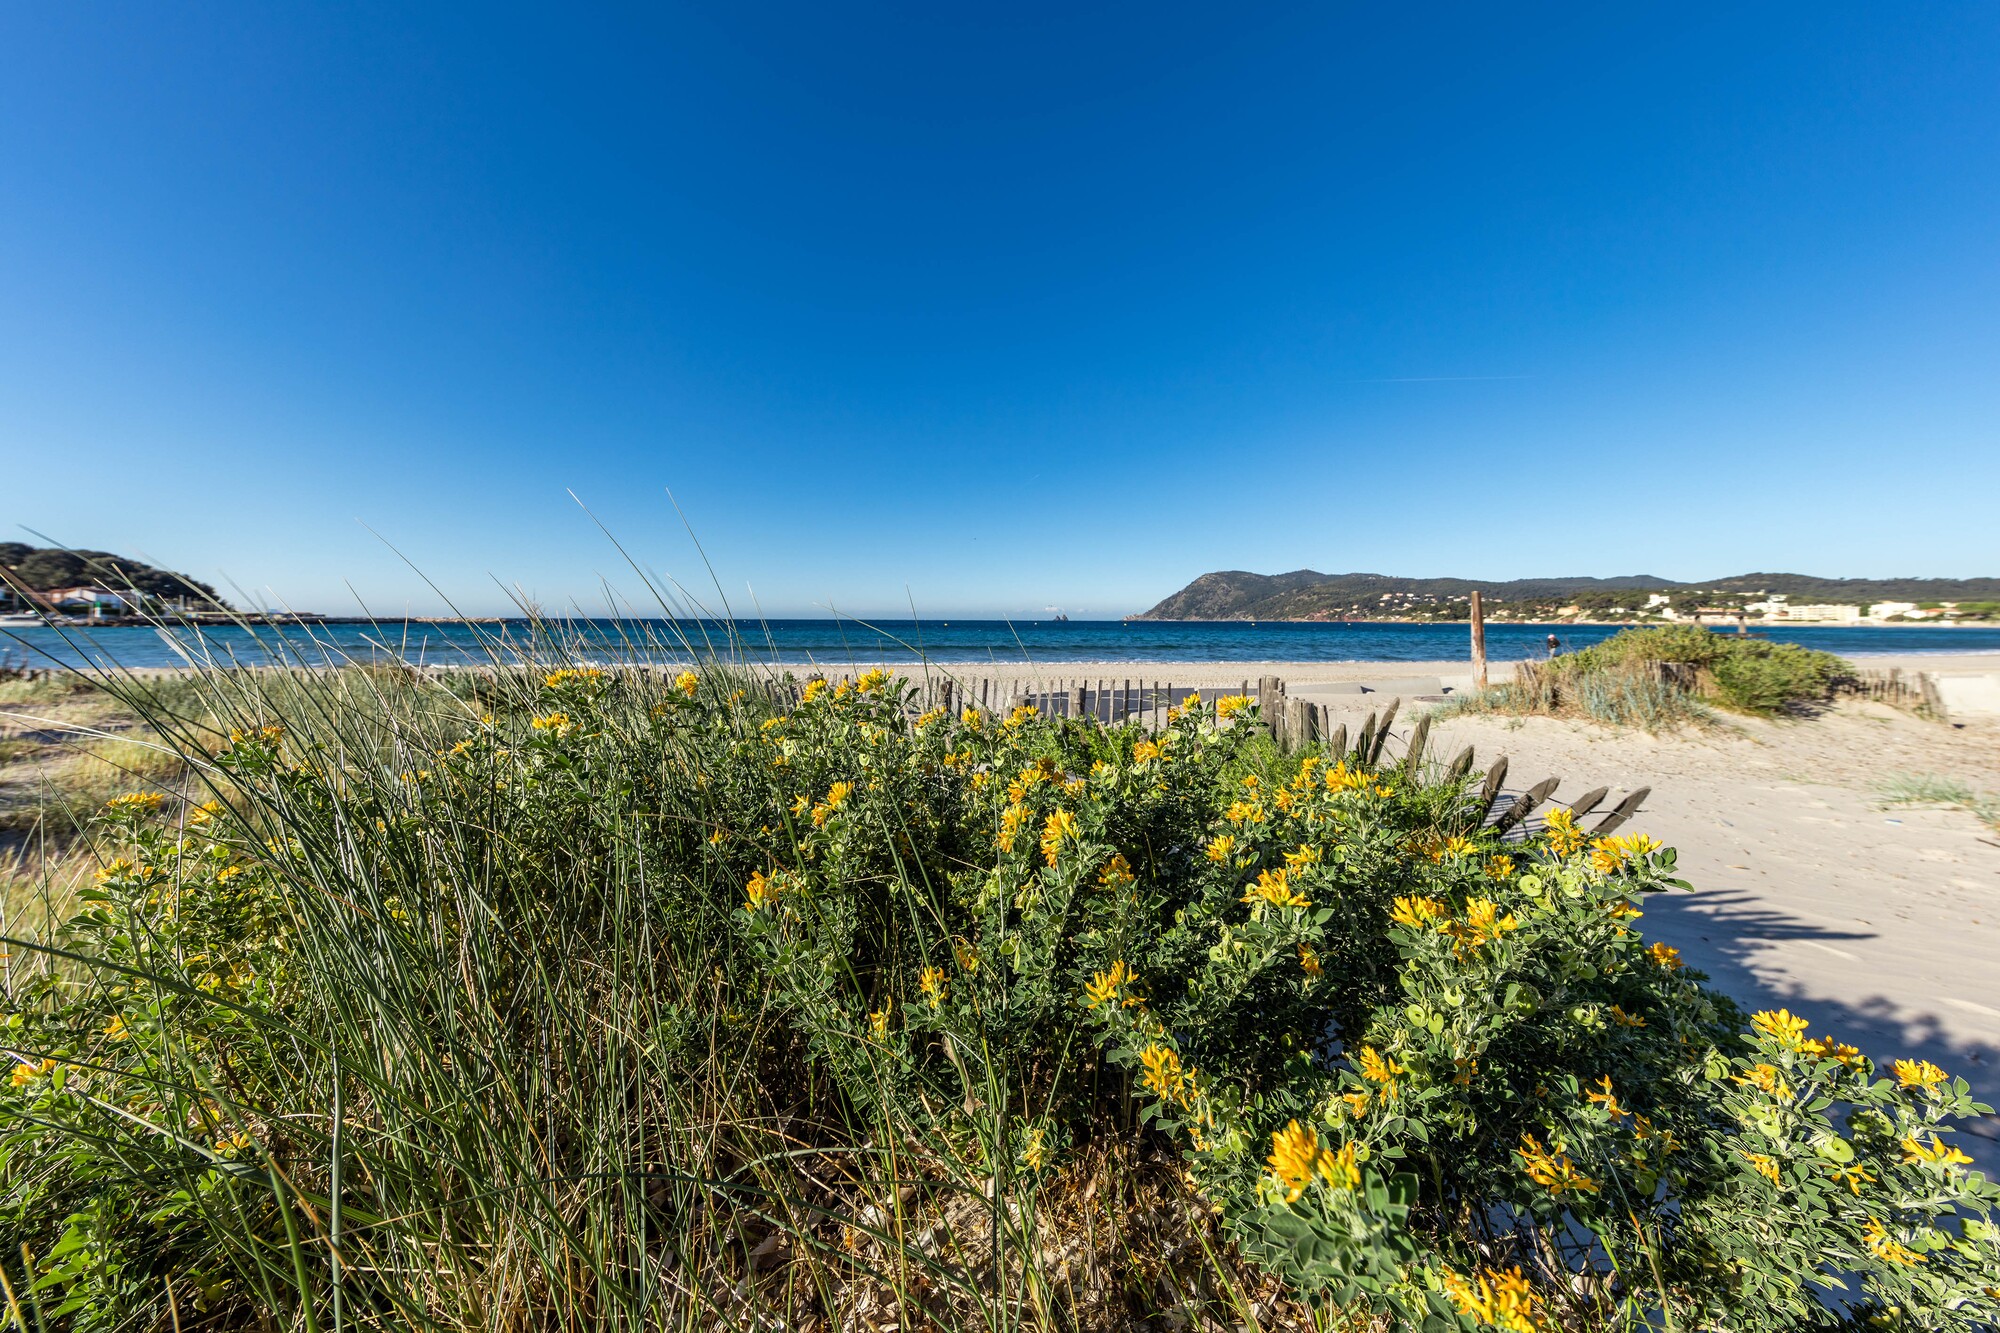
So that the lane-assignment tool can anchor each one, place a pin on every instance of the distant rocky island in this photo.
(1306, 594)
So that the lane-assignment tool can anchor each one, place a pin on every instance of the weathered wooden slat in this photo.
(1621, 812)
(1525, 804)
(1459, 766)
(1587, 802)
(1413, 753)
(1382, 732)
(1490, 791)
(1365, 742)
(1338, 745)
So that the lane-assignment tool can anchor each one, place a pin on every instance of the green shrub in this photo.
(571, 1000)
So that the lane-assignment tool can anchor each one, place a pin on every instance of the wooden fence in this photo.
(1293, 722)
(1913, 690)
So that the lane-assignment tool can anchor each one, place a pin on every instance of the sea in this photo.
(834, 644)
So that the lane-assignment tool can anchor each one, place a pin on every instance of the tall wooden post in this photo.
(1478, 642)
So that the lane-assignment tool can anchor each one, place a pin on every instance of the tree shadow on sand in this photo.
(1722, 931)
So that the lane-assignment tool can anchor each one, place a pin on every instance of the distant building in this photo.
(1821, 613)
(1883, 610)
(96, 601)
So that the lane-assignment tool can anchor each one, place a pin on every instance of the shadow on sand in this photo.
(1720, 932)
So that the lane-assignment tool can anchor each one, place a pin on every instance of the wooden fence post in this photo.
(1478, 642)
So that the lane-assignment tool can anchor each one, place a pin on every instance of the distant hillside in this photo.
(45, 567)
(1306, 594)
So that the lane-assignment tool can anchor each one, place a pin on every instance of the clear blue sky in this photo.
(1012, 307)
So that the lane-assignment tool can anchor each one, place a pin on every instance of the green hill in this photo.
(42, 568)
(1306, 594)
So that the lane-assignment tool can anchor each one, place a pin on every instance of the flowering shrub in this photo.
(452, 970)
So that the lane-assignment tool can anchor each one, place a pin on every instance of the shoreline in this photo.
(1208, 672)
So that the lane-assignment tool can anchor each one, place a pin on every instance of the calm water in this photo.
(836, 643)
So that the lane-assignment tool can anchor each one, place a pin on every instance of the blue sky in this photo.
(995, 309)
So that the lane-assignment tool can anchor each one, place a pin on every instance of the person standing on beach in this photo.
(1555, 647)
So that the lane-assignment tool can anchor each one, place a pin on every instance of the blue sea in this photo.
(840, 643)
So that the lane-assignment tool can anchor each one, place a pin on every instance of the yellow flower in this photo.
(1117, 873)
(138, 802)
(1308, 960)
(1273, 889)
(1012, 820)
(1021, 716)
(1500, 1297)
(761, 892)
(1935, 1153)
(814, 688)
(1782, 1026)
(1665, 957)
(1919, 1074)
(1379, 1068)
(1145, 752)
(204, 813)
(1766, 1079)
(558, 723)
(1164, 1074)
(1103, 987)
(715, 839)
(1295, 1154)
(26, 1074)
(1854, 1177)
(116, 1029)
(1883, 1246)
(1304, 856)
(1499, 867)
(1341, 1169)
(1231, 705)
(1059, 828)
(931, 983)
(1606, 1098)
(1763, 1165)
(929, 716)
(1625, 1020)
(1553, 1171)
(878, 1019)
(1825, 1048)
(577, 675)
(1033, 1153)
(1221, 847)
(969, 718)
(967, 956)
(1483, 924)
(1245, 812)
(1416, 912)
(1357, 1103)
(687, 682)
(836, 796)
(1563, 834)
(1634, 844)
(871, 682)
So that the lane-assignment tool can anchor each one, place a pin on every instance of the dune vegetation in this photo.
(1664, 677)
(583, 998)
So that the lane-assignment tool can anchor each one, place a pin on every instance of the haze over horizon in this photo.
(996, 313)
